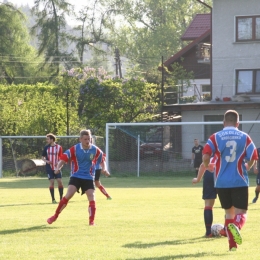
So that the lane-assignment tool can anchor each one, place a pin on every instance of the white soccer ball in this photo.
(215, 229)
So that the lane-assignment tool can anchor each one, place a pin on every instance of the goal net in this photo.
(163, 149)
(21, 155)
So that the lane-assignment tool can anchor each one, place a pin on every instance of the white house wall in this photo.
(190, 132)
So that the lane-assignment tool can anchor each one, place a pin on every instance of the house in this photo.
(235, 72)
(195, 57)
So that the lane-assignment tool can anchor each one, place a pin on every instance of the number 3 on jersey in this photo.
(232, 145)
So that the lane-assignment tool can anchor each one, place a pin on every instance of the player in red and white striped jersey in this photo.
(51, 155)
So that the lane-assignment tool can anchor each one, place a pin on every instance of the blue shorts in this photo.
(209, 191)
(52, 175)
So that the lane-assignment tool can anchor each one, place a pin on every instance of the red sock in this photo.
(63, 203)
(92, 211)
(103, 190)
(240, 220)
(231, 241)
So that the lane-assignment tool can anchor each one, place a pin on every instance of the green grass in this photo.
(148, 218)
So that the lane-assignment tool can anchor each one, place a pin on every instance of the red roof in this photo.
(179, 54)
(199, 25)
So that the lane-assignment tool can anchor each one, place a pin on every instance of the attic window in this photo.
(248, 28)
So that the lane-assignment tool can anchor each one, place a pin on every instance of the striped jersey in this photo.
(98, 166)
(232, 149)
(52, 153)
(83, 161)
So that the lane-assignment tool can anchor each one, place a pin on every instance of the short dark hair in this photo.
(51, 136)
(231, 116)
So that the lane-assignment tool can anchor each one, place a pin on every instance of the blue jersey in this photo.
(83, 161)
(231, 148)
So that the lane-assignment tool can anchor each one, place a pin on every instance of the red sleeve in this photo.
(207, 150)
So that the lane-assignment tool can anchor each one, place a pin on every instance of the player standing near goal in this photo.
(83, 157)
(196, 157)
(232, 147)
(209, 193)
(257, 172)
(51, 155)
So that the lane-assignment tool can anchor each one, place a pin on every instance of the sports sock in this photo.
(103, 190)
(92, 211)
(61, 192)
(231, 241)
(63, 203)
(240, 220)
(51, 188)
(208, 219)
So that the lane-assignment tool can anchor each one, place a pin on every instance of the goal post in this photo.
(21, 155)
(161, 148)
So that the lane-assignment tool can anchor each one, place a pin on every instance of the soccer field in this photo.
(148, 218)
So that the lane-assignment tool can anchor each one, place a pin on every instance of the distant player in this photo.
(51, 155)
(232, 147)
(196, 157)
(97, 178)
(209, 193)
(257, 172)
(83, 156)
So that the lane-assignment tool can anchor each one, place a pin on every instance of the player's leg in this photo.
(88, 188)
(225, 199)
(51, 185)
(257, 189)
(99, 185)
(74, 185)
(209, 194)
(60, 184)
(208, 215)
(240, 203)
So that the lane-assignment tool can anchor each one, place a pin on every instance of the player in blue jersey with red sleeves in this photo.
(51, 155)
(83, 157)
(232, 148)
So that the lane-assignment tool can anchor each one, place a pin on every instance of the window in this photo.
(205, 88)
(248, 28)
(211, 129)
(248, 81)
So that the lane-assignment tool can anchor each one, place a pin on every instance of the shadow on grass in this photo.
(31, 204)
(19, 230)
(183, 256)
(173, 242)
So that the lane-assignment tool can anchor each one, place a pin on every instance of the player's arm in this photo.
(206, 159)
(250, 164)
(201, 172)
(255, 169)
(104, 167)
(45, 160)
(59, 166)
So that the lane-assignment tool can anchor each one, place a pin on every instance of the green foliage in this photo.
(150, 29)
(116, 100)
(18, 59)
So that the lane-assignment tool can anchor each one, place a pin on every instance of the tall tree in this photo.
(50, 29)
(149, 29)
(18, 57)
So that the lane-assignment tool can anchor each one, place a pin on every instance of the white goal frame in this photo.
(114, 125)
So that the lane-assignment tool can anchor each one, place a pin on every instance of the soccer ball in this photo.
(215, 229)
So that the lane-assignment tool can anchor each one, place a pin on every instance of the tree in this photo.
(151, 29)
(50, 29)
(18, 57)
